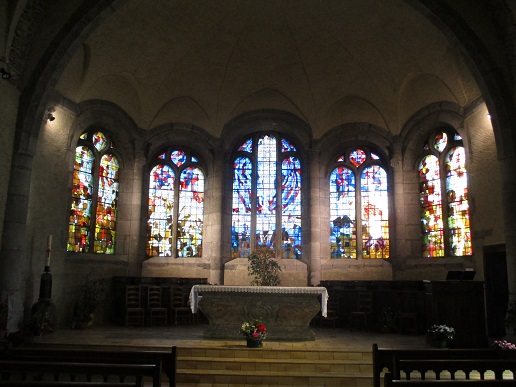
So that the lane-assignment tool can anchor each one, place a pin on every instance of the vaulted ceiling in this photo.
(329, 62)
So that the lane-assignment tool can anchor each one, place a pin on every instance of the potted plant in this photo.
(254, 332)
(90, 296)
(264, 269)
(440, 336)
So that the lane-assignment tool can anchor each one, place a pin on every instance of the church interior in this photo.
(364, 146)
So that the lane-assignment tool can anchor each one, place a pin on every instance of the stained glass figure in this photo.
(431, 205)
(359, 227)
(259, 205)
(445, 218)
(458, 206)
(375, 213)
(176, 206)
(91, 197)
(105, 225)
(190, 217)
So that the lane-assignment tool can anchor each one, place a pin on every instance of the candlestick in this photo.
(49, 250)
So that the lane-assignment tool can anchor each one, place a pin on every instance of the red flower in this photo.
(261, 327)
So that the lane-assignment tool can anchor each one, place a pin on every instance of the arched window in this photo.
(176, 206)
(266, 198)
(92, 223)
(444, 218)
(359, 213)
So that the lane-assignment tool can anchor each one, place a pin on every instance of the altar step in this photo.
(272, 367)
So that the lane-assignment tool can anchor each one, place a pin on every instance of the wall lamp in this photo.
(50, 117)
(5, 74)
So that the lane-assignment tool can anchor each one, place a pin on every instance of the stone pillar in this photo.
(315, 222)
(14, 262)
(215, 228)
(508, 173)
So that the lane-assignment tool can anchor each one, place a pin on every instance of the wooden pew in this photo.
(62, 383)
(389, 382)
(385, 358)
(162, 361)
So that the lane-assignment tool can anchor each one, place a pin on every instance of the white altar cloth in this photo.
(196, 289)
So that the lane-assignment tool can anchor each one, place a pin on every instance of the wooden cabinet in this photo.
(459, 304)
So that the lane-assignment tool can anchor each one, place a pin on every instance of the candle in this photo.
(49, 250)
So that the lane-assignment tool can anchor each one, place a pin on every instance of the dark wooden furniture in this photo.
(87, 365)
(156, 311)
(389, 382)
(134, 312)
(119, 284)
(395, 361)
(459, 304)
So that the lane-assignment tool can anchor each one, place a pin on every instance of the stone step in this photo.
(197, 377)
(239, 366)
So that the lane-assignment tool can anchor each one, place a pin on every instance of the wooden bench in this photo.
(62, 383)
(385, 359)
(389, 382)
(138, 363)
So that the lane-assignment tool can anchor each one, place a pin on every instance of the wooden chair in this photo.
(156, 313)
(179, 309)
(332, 312)
(360, 317)
(134, 312)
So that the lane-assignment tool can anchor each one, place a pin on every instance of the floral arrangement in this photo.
(503, 345)
(442, 332)
(255, 330)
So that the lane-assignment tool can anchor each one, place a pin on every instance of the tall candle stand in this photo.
(43, 311)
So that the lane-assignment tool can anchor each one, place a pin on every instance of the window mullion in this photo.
(175, 216)
(358, 212)
(444, 204)
(254, 192)
(94, 202)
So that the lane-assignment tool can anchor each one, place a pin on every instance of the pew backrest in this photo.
(385, 358)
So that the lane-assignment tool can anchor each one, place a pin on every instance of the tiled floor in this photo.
(192, 336)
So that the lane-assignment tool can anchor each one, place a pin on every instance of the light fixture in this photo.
(5, 74)
(50, 117)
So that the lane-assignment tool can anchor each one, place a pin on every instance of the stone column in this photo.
(508, 173)
(314, 202)
(215, 228)
(14, 261)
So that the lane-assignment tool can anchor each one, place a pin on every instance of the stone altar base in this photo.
(287, 316)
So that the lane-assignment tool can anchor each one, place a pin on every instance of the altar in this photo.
(286, 311)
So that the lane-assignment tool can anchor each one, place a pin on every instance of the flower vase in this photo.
(254, 343)
(437, 342)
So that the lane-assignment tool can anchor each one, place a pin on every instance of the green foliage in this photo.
(264, 269)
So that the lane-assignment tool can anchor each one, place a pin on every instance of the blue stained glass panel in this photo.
(247, 146)
(241, 207)
(291, 207)
(266, 193)
(286, 146)
(357, 157)
(190, 218)
(178, 157)
(342, 213)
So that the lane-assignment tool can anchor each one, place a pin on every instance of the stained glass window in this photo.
(444, 218)
(266, 198)
(95, 187)
(365, 204)
(176, 206)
